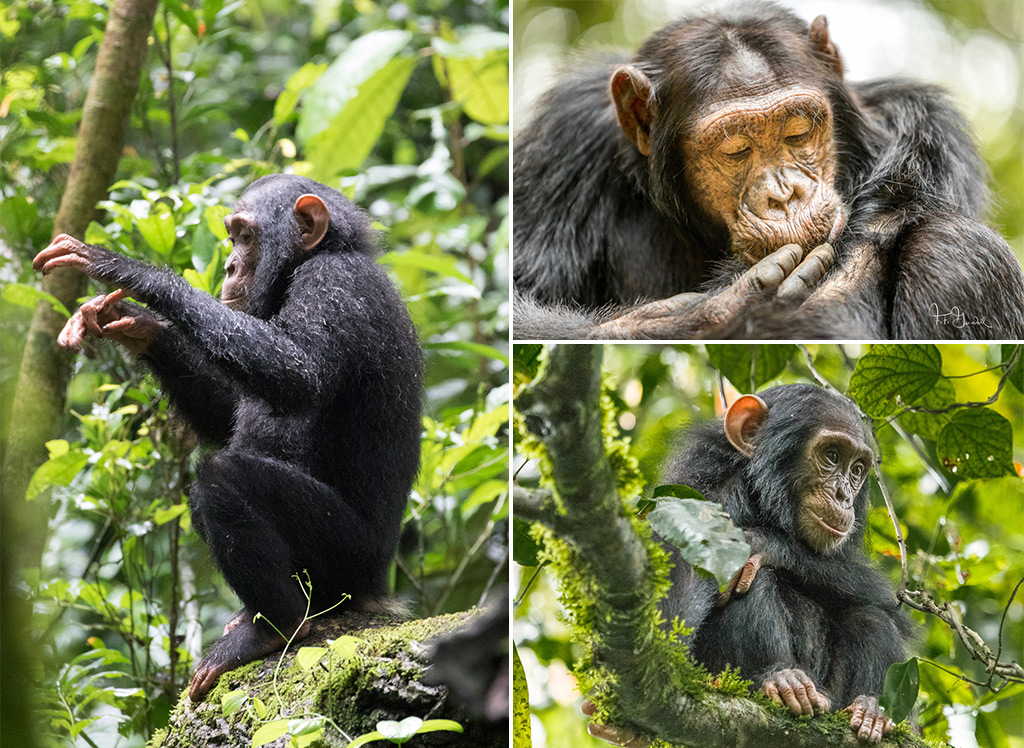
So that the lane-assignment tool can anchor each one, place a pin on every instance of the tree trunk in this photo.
(45, 369)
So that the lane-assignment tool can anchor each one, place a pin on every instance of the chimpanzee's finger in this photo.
(768, 273)
(61, 245)
(70, 337)
(804, 279)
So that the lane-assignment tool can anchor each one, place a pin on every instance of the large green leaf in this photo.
(976, 443)
(339, 85)
(890, 377)
(704, 534)
(750, 365)
(899, 693)
(344, 113)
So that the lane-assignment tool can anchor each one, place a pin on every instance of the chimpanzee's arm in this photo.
(786, 275)
(200, 392)
(283, 362)
(957, 302)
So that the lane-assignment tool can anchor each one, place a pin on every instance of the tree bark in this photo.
(563, 410)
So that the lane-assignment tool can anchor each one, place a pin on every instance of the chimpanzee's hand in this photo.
(787, 271)
(741, 580)
(108, 316)
(868, 720)
(795, 691)
(786, 275)
(614, 735)
(67, 252)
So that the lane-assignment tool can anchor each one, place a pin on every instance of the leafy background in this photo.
(973, 49)
(401, 105)
(964, 530)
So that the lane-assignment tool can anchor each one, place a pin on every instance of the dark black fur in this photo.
(833, 616)
(313, 401)
(598, 224)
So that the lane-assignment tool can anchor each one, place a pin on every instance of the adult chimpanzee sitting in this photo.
(734, 177)
(810, 621)
(307, 376)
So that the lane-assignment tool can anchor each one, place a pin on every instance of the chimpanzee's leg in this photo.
(265, 521)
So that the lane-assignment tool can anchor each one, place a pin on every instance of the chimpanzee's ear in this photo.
(742, 421)
(631, 92)
(313, 218)
(823, 47)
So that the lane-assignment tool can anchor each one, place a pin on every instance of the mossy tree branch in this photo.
(652, 688)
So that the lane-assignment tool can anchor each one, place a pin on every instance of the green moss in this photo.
(388, 651)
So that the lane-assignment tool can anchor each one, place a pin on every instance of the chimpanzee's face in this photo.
(241, 264)
(764, 166)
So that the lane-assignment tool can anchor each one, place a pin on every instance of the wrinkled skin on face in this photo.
(764, 166)
(240, 268)
(835, 465)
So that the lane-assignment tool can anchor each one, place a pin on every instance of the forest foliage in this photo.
(948, 420)
(404, 108)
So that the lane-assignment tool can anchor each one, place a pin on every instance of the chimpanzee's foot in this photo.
(245, 642)
(240, 617)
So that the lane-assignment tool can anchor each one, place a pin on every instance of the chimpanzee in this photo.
(809, 621)
(732, 176)
(307, 378)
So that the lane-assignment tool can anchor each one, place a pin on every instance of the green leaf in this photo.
(477, 77)
(929, 425)
(308, 657)
(269, 732)
(704, 534)
(369, 737)
(339, 84)
(520, 704)
(399, 732)
(989, 731)
(299, 727)
(345, 647)
(486, 351)
(679, 492)
(59, 471)
(163, 516)
(231, 702)
(184, 14)
(899, 693)
(749, 365)
(260, 708)
(437, 725)
(21, 294)
(976, 443)
(890, 377)
(440, 264)
(302, 79)
(215, 215)
(524, 548)
(159, 232)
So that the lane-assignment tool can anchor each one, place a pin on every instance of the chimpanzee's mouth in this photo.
(836, 532)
